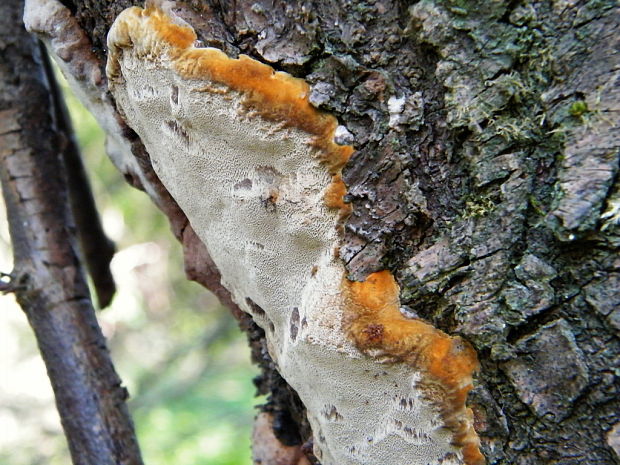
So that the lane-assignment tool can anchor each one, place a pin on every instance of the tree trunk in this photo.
(484, 179)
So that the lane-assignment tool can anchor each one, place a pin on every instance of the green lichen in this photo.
(578, 108)
(496, 81)
(479, 206)
(537, 206)
(459, 7)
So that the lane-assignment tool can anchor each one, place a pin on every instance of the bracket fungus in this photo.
(257, 172)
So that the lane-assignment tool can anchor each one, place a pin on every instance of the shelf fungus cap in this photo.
(255, 168)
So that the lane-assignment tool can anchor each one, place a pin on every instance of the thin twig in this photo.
(96, 247)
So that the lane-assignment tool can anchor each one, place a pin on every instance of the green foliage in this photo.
(205, 424)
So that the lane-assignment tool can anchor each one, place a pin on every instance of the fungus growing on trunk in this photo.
(257, 172)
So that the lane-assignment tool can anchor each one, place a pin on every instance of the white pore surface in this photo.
(254, 195)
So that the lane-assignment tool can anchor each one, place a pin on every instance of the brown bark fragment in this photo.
(268, 450)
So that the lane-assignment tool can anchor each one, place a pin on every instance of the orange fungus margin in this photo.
(375, 323)
(373, 319)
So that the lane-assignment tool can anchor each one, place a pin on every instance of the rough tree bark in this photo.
(485, 179)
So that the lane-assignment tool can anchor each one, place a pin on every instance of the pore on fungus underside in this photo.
(256, 170)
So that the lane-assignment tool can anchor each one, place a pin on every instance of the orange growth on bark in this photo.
(334, 194)
(372, 316)
(375, 323)
(274, 95)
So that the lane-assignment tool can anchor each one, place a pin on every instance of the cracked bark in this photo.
(485, 178)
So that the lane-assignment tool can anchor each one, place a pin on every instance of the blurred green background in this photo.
(181, 355)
